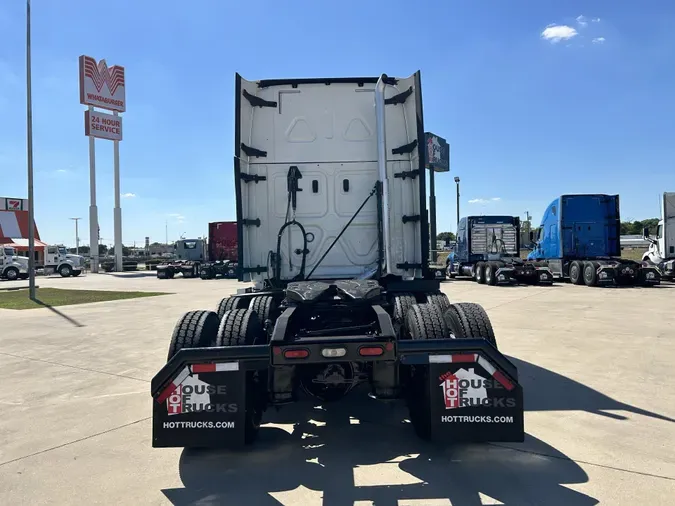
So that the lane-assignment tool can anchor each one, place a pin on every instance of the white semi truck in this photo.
(12, 266)
(58, 260)
(662, 247)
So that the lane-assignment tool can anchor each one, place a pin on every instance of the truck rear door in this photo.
(326, 129)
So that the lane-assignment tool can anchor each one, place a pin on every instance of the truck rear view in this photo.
(333, 232)
(579, 238)
(223, 251)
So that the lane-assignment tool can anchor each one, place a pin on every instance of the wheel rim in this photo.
(65, 270)
(12, 275)
(488, 273)
(574, 271)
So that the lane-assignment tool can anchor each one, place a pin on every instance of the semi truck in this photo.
(333, 243)
(222, 251)
(488, 251)
(58, 260)
(189, 255)
(12, 266)
(661, 251)
(579, 240)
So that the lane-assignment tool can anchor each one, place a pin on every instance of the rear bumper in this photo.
(470, 391)
(524, 274)
(628, 274)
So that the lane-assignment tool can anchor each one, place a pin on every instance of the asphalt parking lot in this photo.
(595, 365)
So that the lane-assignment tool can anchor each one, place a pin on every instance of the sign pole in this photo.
(93, 209)
(117, 210)
(29, 143)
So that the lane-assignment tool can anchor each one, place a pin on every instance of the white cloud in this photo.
(484, 201)
(599, 40)
(556, 33)
(582, 20)
(128, 195)
(179, 218)
(62, 171)
(595, 20)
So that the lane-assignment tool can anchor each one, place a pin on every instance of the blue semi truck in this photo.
(579, 240)
(488, 251)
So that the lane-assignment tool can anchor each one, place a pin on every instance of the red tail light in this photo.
(371, 351)
(296, 354)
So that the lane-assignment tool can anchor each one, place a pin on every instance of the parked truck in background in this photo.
(58, 260)
(223, 251)
(189, 255)
(579, 240)
(488, 250)
(333, 234)
(661, 251)
(12, 266)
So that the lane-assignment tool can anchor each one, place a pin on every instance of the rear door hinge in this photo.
(258, 153)
(257, 101)
(247, 178)
(415, 217)
(405, 149)
(412, 174)
(248, 223)
(255, 270)
(408, 267)
(400, 98)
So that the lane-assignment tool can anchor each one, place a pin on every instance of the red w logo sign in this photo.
(100, 85)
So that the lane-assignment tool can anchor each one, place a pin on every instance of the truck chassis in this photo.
(223, 269)
(188, 268)
(606, 272)
(265, 348)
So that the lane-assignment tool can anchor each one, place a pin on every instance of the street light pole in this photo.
(77, 236)
(29, 147)
(457, 182)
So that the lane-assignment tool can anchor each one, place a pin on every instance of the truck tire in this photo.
(161, 275)
(590, 273)
(425, 321)
(12, 273)
(400, 304)
(479, 273)
(265, 306)
(241, 327)
(76, 273)
(467, 320)
(229, 303)
(65, 271)
(489, 274)
(195, 329)
(439, 299)
(576, 273)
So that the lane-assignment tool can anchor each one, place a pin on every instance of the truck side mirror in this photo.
(645, 232)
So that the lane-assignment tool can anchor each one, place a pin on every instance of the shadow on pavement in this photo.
(149, 274)
(331, 460)
(70, 320)
(545, 390)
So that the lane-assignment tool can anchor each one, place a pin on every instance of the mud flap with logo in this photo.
(203, 405)
(472, 400)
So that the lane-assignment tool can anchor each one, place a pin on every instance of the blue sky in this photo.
(533, 100)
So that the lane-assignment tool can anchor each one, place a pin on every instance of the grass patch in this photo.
(50, 297)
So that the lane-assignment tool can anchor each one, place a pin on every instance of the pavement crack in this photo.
(558, 457)
(73, 367)
(75, 441)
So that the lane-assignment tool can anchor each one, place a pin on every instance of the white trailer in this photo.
(662, 247)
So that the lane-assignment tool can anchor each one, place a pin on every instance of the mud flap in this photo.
(471, 400)
(202, 405)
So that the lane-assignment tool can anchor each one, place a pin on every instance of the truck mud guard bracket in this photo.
(465, 390)
(257, 101)
(412, 218)
(247, 178)
(405, 149)
(251, 222)
(412, 174)
(408, 266)
(400, 98)
(253, 151)
(254, 270)
(200, 396)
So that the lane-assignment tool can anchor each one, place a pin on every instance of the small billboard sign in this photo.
(438, 153)
(103, 125)
(102, 86)
(11, 204)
